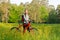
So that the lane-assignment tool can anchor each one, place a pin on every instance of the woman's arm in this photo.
(22, 18)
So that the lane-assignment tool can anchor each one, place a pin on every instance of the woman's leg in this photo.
(28, 29)
(24, 28)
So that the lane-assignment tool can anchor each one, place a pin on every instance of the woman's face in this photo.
(26, 11)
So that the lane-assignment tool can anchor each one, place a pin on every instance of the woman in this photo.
(26, 21)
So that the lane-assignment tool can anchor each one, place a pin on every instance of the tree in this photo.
(44, 14)
(52, 14)
(36, 10)
(0, 14)
(58, 13)
(15, 13)
(4, 9)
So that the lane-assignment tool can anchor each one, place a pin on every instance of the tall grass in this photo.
(45, 32)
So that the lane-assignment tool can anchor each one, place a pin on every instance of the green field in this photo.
(45, 32)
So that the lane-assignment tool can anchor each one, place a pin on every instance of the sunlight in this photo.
(19, 1)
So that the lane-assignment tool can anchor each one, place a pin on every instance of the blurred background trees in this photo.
(39, 11)
(4, 5)
(58, 13)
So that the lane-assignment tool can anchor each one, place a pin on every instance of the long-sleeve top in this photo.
(25, 18)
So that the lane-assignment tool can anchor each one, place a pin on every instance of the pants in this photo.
(26, 27)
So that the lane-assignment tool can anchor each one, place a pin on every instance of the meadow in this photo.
(45, 32)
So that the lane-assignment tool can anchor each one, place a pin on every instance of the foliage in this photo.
(39, 12)
(52, 16)
(44, 13)
(58, 13)
(15, 13)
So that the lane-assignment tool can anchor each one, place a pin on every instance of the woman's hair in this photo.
(25, 9)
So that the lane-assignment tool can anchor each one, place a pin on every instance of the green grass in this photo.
(45, 32)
